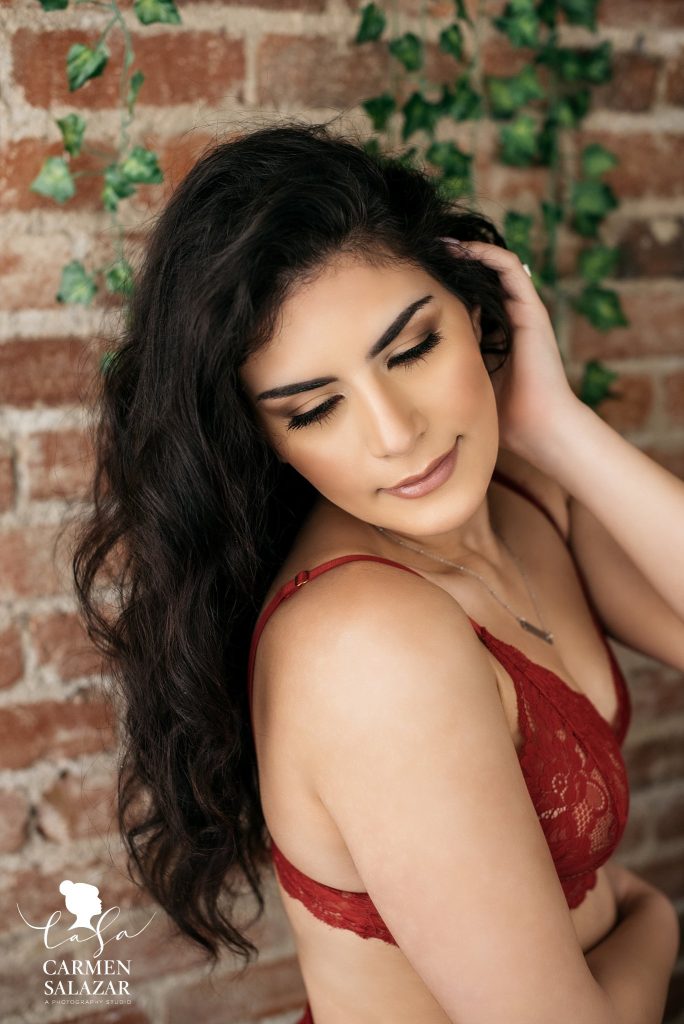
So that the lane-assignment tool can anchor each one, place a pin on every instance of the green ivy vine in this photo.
(126, 167)
(531, 118)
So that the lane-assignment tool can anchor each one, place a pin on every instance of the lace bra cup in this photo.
(570, 758)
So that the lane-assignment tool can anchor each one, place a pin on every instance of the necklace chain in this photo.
(543, 633)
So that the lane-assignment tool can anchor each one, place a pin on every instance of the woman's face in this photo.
(357, 419)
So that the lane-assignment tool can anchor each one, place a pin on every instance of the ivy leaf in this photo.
(452, 186)
(54, 180)
(598, 64)
(149, 11)
(119, 277)
(592, 198)
(601, 306)
(547, 141)
(461, 103)
(84, 64)
(451, 160)
(517, 228)
(596, 160)
(451, 40)
(117, 185)
(547, 12)
(598, 262)
(76, 285)
(552, 214)
(372, 25)
(519, 144)
(137, 79)
(519, 22)
(408, 49)
(379, 109)
(72, 128)
(580, 12)
(569, 110)
(461, 12)
(53, 5)
(419, 115)
(579, 65)
(508, 93)
(595, 384)
(141, 167)
(371, 146)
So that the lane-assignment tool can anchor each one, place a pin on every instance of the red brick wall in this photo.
(57, 747)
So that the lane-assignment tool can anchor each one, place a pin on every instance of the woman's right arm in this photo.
(633, 964)
(405, 741)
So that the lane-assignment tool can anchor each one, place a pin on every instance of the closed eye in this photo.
(406, 359)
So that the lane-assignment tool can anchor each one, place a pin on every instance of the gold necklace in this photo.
(543, 633)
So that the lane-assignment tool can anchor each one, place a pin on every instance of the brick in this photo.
(318, 71)
(655, 760)
(180, 67)
(47, 371)
(78, 806)
(114, 1015)
(58, 465)
(28, 566)
(33, 280)
(36, 889)
(20, 162)
(50, 729)
(61, 643)
(633, 84)
(434, 8)
(653, 248)
(667, 873)
(655, 314)
(634, 406)
(11, 656)
(657, 691)
(7, 483)
(14, 813)
(266, 989)
(649, 164)
(674, 396)
(668, 816)
(667, 14)
(674, 79)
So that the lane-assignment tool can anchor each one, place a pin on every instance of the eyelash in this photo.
(407, 359)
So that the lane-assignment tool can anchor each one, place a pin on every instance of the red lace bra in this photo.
(570, 757)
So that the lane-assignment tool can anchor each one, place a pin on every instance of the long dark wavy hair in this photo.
(190, 513)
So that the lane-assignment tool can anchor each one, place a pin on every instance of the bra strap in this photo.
(292, 585)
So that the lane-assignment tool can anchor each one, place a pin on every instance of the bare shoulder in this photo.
(552, 494)
(417, 767)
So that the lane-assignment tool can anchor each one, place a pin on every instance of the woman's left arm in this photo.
(638, 502)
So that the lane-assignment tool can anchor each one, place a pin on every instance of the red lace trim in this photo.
(570, 759)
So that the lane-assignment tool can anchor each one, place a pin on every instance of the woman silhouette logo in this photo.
(82, 900)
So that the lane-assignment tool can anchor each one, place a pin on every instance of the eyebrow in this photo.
(388, 336)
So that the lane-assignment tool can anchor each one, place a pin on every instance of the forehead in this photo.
(340, 313)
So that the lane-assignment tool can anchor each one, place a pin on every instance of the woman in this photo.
(402, 694)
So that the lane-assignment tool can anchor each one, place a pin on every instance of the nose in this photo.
(391, 422)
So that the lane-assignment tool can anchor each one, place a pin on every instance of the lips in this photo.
(420, 476)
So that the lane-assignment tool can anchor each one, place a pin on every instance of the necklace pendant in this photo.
(541, 633)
